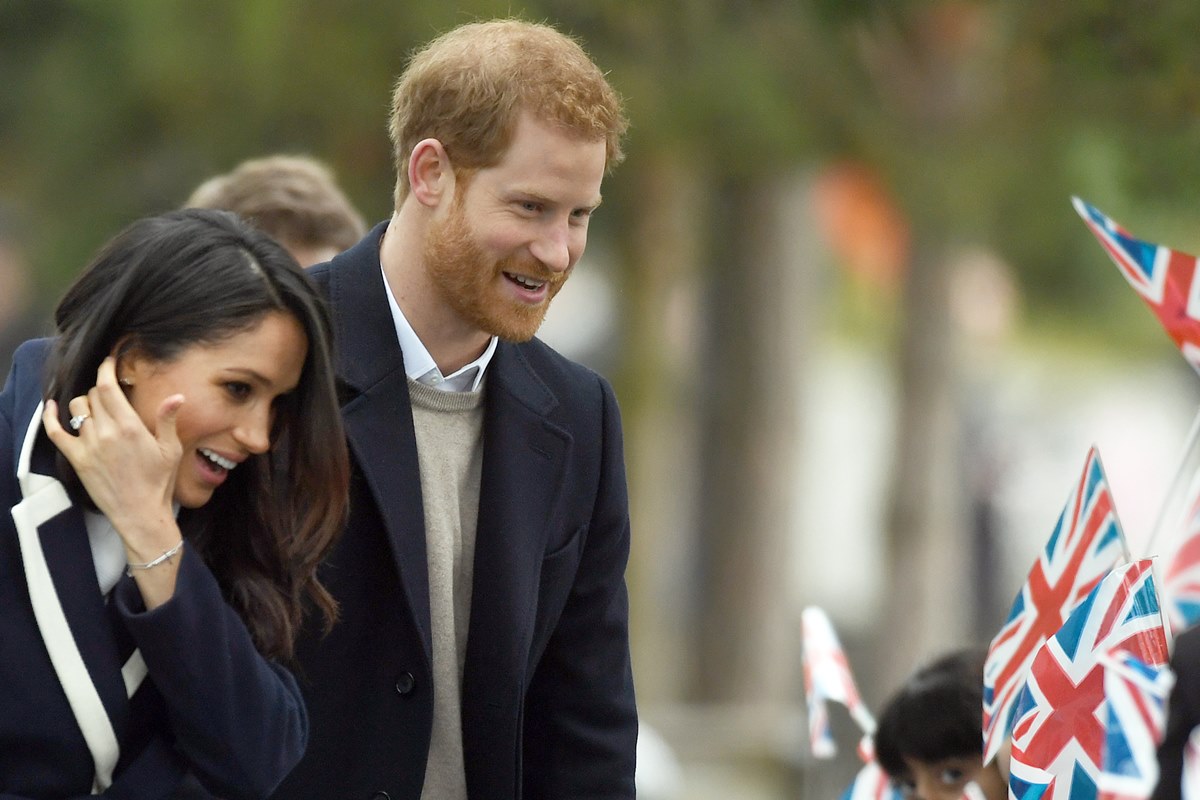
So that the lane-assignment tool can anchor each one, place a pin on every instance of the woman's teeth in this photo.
(223, 463)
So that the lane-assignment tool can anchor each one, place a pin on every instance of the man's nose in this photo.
(553, 247)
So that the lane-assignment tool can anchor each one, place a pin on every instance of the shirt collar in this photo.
(419, 364)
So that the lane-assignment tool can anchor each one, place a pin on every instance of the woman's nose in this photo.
(254, 433)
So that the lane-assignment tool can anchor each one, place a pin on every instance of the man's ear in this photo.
(430, 174)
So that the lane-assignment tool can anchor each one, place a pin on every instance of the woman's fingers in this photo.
(54, 429)
(79, 406)
(168, 412)
(127, 469)
(106, 396)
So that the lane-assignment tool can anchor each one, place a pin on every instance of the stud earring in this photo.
(125, 382)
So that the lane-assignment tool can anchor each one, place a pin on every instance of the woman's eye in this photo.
(238, 390)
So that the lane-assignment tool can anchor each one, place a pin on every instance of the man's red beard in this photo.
(470, 282)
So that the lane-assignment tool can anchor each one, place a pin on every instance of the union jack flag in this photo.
(1136, 715)
(1059, 731)
(1163, 277)
(872, 783)
(827, 677)
(1086, 543)
(1181, 582)
(972, 792)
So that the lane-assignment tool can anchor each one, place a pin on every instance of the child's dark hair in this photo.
(937, 713)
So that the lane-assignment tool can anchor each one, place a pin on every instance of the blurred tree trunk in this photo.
(661, 243)
(759, 314)
(926, 609)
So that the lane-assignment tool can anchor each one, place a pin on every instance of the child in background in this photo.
(930, 734)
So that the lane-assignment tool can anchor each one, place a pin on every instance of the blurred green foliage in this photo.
(982, 117)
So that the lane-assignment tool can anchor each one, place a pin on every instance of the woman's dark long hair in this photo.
(937, 714)
(198, 277)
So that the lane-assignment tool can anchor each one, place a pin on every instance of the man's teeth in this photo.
(528, 283)
(223, 463)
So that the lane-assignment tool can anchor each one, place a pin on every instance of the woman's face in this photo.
(230, 390)
(947, 779)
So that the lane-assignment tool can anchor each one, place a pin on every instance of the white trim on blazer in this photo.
(43, 498)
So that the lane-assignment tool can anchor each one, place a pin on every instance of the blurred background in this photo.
(861, 340)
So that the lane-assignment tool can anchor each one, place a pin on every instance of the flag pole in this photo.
(1168, 512)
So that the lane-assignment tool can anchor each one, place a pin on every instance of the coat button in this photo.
(381, 796)
(405, 683)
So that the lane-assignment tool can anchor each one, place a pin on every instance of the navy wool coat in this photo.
(547, 695)
(100, 695)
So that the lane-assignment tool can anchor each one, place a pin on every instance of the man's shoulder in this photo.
(581, 396)
(363, 255)
(555, 368)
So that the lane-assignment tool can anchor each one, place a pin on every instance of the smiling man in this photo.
(483, 644)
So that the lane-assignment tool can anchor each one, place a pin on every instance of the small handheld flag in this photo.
(1136, 717)
(1086, 543)
(827, 677)
(1181, 579)
(1059, 726)
(1165, 278)
(872, 783)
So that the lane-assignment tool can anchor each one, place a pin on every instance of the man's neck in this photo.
(451, 342)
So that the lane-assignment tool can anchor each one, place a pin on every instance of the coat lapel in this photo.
(523, 458)
(378, 417)
(68, 606)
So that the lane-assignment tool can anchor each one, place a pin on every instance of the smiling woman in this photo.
(169, 511)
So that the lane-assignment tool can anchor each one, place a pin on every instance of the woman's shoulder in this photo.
(23, 387)
(33, 350)
(27, 362)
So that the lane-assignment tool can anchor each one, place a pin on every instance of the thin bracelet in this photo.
(166, 556)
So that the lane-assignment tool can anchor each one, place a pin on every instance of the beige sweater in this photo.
(449, 427)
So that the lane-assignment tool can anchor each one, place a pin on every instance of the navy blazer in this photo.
(107, 697)
(547, 697)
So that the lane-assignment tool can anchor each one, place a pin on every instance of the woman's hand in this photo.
(128, 471)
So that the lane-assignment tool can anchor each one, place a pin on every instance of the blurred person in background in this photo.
(177, 471)
(21, 315)
(1183, 715)
(295, 199)
(930, 734)
(483, 645)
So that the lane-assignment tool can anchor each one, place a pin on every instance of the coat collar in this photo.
(62, 588)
